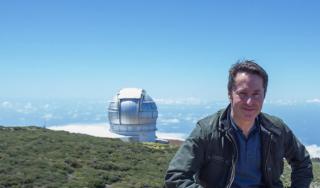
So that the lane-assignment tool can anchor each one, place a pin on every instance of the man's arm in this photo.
(187, 162)
(299, 160)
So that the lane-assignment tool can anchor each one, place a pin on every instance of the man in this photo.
(240, 146)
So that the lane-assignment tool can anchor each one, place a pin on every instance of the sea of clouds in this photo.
(102, 130)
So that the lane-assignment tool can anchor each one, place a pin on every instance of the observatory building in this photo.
(133, 113)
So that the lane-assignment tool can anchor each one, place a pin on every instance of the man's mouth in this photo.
(249, 109)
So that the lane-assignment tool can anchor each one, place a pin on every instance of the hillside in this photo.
(37, 157)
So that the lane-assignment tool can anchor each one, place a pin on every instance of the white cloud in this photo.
(6, 104)
(181, 101)
(313, 100)
(174, 136)
(99, 129)
(292, 101)
(167, 121)
(46, 106)
(27, 108)
(313, 150)
(102, 130)
(281, 102)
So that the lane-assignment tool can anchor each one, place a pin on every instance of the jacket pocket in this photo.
(214, 173)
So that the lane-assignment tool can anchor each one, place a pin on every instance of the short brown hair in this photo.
(247, 66)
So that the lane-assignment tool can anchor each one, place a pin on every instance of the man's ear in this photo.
(229, 96)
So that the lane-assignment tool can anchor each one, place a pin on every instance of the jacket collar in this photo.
(224, 119)
(266, 124)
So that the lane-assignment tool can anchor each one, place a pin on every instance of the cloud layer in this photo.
(313, 150)
(102, 130)
(99, 129)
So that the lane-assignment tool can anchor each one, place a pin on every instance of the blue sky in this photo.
(174, 49)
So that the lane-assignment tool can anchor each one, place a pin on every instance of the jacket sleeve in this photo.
(299, 160)
(187, 162)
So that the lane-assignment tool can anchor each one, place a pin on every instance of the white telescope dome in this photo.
(133, 113)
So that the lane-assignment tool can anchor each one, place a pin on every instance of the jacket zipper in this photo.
(267, 157)
(234, 160)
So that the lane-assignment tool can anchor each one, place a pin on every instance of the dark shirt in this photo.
(248, 167)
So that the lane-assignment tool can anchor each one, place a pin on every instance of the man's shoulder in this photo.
(272, 119)
(210, 121)
(273, 122)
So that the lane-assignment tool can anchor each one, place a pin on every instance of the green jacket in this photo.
(209, 155)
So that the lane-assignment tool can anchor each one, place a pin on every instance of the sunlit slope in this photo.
(37, 157)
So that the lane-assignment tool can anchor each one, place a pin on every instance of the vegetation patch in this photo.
(38, 157)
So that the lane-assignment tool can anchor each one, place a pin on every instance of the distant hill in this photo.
(38, 157)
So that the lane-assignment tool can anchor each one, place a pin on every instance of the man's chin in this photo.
(250, 117)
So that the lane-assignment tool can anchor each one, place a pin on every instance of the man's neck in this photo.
(244, 126)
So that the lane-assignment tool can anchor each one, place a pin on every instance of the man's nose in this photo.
(249, 100)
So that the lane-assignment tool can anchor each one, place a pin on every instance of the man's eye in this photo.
(242, 94)
(257, 96)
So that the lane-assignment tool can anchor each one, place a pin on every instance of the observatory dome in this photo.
(133, 113)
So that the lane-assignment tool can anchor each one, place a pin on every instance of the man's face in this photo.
(246, 98)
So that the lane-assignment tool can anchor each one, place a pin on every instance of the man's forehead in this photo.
(247, 77)
(242, 73)
(248, 81)
(248, 88)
